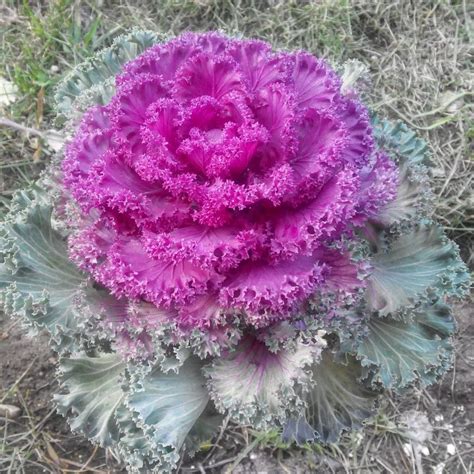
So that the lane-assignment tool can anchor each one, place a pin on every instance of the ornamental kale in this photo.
(227, 232)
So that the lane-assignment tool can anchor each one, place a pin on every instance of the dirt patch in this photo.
(39, 440)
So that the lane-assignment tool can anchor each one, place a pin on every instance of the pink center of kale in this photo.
(217, 177)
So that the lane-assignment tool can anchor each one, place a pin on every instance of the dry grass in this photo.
(419, 54)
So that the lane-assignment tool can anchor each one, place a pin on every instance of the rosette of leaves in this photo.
(227, 232)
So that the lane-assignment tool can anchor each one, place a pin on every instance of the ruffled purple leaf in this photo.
(215, 176)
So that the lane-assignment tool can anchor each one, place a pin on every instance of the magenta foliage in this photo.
(219, 176)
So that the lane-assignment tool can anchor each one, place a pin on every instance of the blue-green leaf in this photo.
(398, 352)
(401, 142)
(256, 385)
(336, 401)
(93, 395)
(142, 453)
(37, 280)
(414, 196)
(419, 263)
(92, 82)
(298, 430)
(134, 447)
(413, 201)
(167, 407)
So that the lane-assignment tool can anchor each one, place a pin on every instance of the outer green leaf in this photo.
(336, 401)
(37, 280)
(94, 395)
(400, 141)
(92, 82)
(168, 406)
(414, 196)
(413, 200)
(258, 386)
(298, 430)
(400, 352)
(134, 447)
(421, 262)
(142, 453)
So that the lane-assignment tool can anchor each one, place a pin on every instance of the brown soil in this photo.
(28, 380)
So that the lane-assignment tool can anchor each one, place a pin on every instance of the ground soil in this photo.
(28, 380)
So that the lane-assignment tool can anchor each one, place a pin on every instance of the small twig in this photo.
(280, 463)
(76, 464)
(245, 452)
(420, 127)
(459, 456)
(219, 437)
(91, 457)
(210, 466)
(4, 122)
(443, 107)
(384, 466)
(201, 469)
(53, 138)
(22, 376)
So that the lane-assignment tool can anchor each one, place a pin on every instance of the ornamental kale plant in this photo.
(228, 232)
